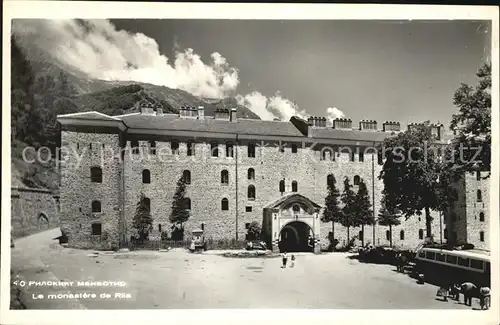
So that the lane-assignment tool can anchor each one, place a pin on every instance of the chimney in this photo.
(201, 112)
(233, 115)
(222, 114)
(437, 131)
(390, 126)
(182, 111)
(147, 108)
(144, 107)
(159, 109)
(413, 126)
(368, 125)
(316, 121)
(342, 123)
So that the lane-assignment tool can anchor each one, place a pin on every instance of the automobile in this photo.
(198, 241)
(256, 245)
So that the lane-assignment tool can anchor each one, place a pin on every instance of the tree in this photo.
(388, 216)
(254, 231)
(179, 213)
(142, 221)
(332, 212)
(472, 124)
(348, 198)
(410, 173)
(363, 209)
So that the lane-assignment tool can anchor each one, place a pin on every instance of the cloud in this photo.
(333, 113)
(98, 49)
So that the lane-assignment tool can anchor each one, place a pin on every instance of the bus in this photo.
(454, 266)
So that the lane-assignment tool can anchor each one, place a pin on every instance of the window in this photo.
(251, 173)
(90, 146)
(282, 186)
(96, 229)
(229, 150)
(451, 259)
(478, 175)
(225, 204)
(294, 186)
(294, 148)
(387, 235)
(214, 149)
(481, 216)
(282, 147)
(247, 225)
(251, 150)
(146, 176)
(159, 228)
(421, 254)
(186, 176)
(224, 177)
(420, 234)
(361, 156)
(352, 156)
(296, 208)
(202, 226)
(440, 257)
(463, 261)
(147, 203)
(187, 203)
(190, 148)
(134, 144)
(481, 235)
(476, 264)
(380, 159)
(96, 174)
(356, 180)
(479, 196)
(77, 146)
(96, 206)
(402, 235)
(329, 180)
(248, 209)
(174, 146)
(360, 234)
(152, 147)
(251, 192)
(430, 255)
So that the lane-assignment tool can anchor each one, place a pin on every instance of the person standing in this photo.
(468, 290)
(284, 258)
(293, 261)
(484, 297)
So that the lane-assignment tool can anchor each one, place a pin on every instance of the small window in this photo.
(481, 235)
(187, 203)
(96, 229)
(282, 186)
(296, 208)
(96, 174)
(476, 264)
(224, 177)
(440, 257)
(481, 216)
(77, 146)
(329, 180)
(361, 156)
(451, 259)
(251, 174)
(134, 144)
(352, 156)
(387, 235)
(479, 196)
(147, 203)
(186, 176)
(251, 150)
(146, 176)
(225, 204)
(294, 148)
(190, 148)
(248, 209)
(159, 228)
(203, 226)
(356, 180)
(152, 147)
(430, 255)
(251, 192)
(360, 234)
(229, 150)
(421, 254)
(478, 175)
(420, 234)
(174, 146)
(402, 235)
(214, 149)
(295, 186)
(90, 146)
(96, 206)
(463, 261)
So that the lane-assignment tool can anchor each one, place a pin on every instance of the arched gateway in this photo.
(292, 223)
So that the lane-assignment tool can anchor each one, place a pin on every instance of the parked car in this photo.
(256, 245)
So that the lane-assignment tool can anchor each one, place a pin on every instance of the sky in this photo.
(404, 71)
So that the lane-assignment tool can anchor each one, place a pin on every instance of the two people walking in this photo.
(284, 259)
(469, 290)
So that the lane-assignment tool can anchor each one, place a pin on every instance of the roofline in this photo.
(464, 253)
(88, 112)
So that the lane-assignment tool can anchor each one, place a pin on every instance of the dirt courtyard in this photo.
(177, 279)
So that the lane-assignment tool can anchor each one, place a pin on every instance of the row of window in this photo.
(451, 259)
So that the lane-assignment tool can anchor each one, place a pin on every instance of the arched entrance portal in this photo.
(43, 222)
(296, 237)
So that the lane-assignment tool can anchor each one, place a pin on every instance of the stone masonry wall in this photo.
(475, 207)
(33, 210)
(78, 192)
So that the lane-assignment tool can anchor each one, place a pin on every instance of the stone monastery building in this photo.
(237, 171)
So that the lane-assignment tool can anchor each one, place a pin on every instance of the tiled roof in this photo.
(209, 124)
(288, 197)
(331, 133)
